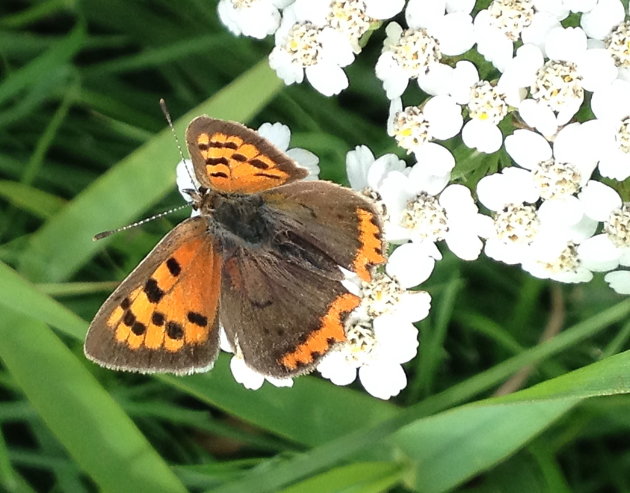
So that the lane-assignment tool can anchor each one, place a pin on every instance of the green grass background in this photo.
(520, 384)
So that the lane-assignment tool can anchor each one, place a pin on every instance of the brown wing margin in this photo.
(164, 315)
(230, 157)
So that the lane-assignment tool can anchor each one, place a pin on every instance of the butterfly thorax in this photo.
(236, 218)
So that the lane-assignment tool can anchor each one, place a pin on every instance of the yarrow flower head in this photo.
(416, 53)
(506, 22)
(618, 45)
(414, 126)
(487, 105)
(545, 208)
(422, 211)
(352, 18)
(255, 18)
(611, 247)
(304, 46)
(557, 90)
(611, 106)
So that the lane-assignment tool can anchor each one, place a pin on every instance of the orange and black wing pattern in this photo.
(229, 157)
(164, 316)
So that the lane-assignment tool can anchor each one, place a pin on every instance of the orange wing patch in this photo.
(235, 166)
(330, 332)
(370, 252)
(176, 306)
(232, 158)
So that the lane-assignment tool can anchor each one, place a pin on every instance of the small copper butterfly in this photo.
(260, 260)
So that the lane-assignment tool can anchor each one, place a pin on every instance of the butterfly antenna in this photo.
(105, 234)
(167, 115)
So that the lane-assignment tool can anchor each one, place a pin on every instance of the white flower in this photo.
(599, 22)
(520, 226)
(511, 195)
(617, 43)
(619, 280)
(505, 22)
(551, 258)
(408, 54)
(380, 337)
(449, 23)
(415, 53)
(414, 126)
(424, 215)
(303, 46)
(487, 106)
(255, 18)
(375, 351)
(611, 106)
(558, 172)
(611, 248)
(557, 91)
(367, 173)
(352, 18)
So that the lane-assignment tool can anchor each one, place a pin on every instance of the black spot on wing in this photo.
(173, 267)
(153, 291)
(197, 319)
(174, 330)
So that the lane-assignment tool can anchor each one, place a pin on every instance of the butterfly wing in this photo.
(230, 157)
(281, 314)
(164, 316)
(283, 304)
(329, 219)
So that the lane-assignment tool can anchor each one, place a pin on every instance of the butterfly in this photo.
(261, 260)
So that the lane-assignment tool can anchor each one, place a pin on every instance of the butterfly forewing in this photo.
(164, 316)
(230, 157)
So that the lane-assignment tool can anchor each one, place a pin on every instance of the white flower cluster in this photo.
(555, 111)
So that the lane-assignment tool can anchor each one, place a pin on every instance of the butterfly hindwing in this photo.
(229, 157)
(164, 316)
(282, 314)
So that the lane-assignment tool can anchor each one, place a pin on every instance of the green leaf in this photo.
(453, 446)
(47, 63)
(352, 478)
(19, 295)
(311, 412)
(462, 429)
(97, 433)
(39, 203)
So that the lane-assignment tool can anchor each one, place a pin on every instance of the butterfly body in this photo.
(261, 259)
